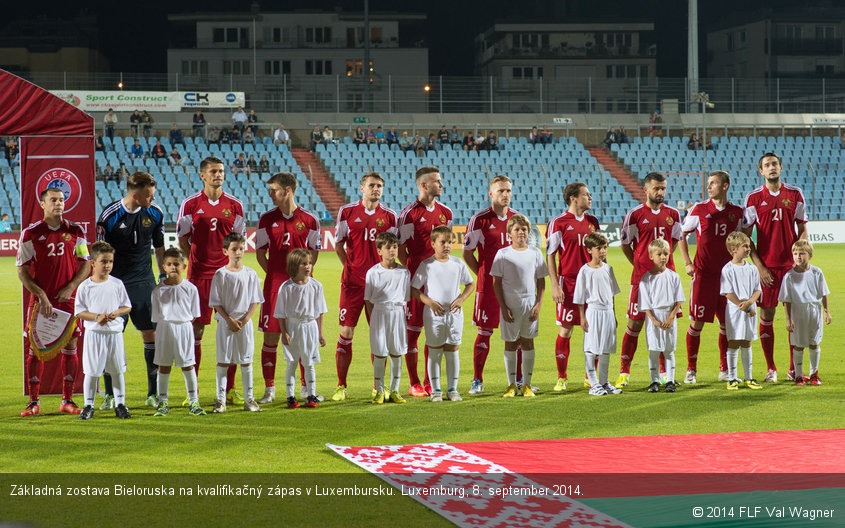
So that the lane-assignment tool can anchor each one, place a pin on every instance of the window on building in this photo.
(643, 71)
(544, 41)
(320, 101)
(356, 67)
(740, 39)
(730, 41)
(631, 71)
(218, 35)
(193, 67)
(620, 71)
(517, 72)
(608, 70)
(236, 67)
(627, 39)
(792, 32)
(824, 69)
(825, 32)
(375, 34)
(309, 34)
(526, 40)
(277, 34)
(231, 34)
(539, 72)
(318, 67)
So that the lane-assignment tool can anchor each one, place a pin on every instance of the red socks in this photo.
(230, 377)
(723, 350)
(34, 367)
(693, 344)
(479, 353)
(268, 365)
(411, 358)
(561, 355)
(629, 346)
(342, 359)
(197, 356)
(767, 343)
(70, 365)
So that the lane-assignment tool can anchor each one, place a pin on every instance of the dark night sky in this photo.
(136, 38)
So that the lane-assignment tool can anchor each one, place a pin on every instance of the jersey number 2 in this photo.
(56, 250)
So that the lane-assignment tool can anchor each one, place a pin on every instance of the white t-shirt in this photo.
(742, 281)
(179, 303)
(660, 291)
(595, 286)
(100, 298)
(442, 280)
(803, 287)
(519, 270)
(235, 291)
(387, 286)
(300, 301)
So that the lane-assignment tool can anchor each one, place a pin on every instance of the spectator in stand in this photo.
(316, 138)
(380, 137)
(239, 119)
(281, 136)
(148, 123)
(654, 121)
(328, 135)
(213, 136)
(158, 150)
(109, 123)
(492, 142)
(264, 164)
(392, 137)
(249, 136)
(610, 138)
(252, 119)
(239, 164)
(4, 224)
(431, 144)
(11, 148)
(108, 172)
(533, 136)
(709, 145)
(479, 140)
(622, 137)
(443, 135)
(16, 161)
(469, 142)
(176, 135)
(546, 136)
(404, 142)
(175, 159)
(454, 136)
(122, 172)
(199, 124)
(370, 135)
(136, 150)
(418, 144)
(694, 143)
(225, 137)
(842, 142)
(235, 137)
(98, 173)
(252, 164)
(135, 121)
(99, 146)
(359, 138)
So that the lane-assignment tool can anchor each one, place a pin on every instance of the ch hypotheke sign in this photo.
(126, 101)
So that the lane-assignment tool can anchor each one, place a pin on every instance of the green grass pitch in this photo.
(293, 441)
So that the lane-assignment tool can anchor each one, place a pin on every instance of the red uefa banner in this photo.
(65, 163)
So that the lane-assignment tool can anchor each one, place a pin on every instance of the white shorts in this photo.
(304, 342)
(387, 330)
(521, 326)
(738, 325)
(809, 325)
(659, 339)
(103, 352)
(446, 329)
(601, 337)
(235, 348)
(175, 344)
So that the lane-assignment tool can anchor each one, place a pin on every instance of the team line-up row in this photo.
(493, 236)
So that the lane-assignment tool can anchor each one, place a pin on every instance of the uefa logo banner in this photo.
(64, 180)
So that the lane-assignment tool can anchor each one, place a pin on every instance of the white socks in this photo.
(290, 378)
(379, 363)
(815, 355)
(119, 388)
(733, 357)
(798, 362)
(434, 355)
(246, 379)
(654, 365)
(527, 366)
(510, 366)
(89, 389)
(669, 360)
(311, 380)
(604, 367)
(395, 372)
(221, 382)
(453, 368)
(190, 384)
(163, 384)
(746, 362)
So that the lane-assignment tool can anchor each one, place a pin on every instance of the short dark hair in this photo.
(372, 175)
(572, 189)
(100, 247)
(140, 180)
(49, 190)
(594, 240)
(768, 155)
(653, 177)
(211, 160)
(386, 238)
(295, 258)
(422, 171)
(284, 179)
(174, 252)
(232, 238)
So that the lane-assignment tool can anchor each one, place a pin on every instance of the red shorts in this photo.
(769, 298)
(351, 304)
(266, 321)
(567, 313)
(414, 315)
(634, 312)
(204, 287)
(486, 312)
(67, 306)
(705, 303)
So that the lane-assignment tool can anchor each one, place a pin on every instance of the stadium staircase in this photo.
(320, 179)
(618, 172)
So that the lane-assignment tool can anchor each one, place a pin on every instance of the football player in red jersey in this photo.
(487, 233)
(205, 218)
(415, 224)
(711, 221)
(646, 222)
(358, 224)
(52, 262)
(779, 213)
(280, 230)
(565, 243)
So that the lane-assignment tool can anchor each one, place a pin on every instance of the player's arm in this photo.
(261, 257)
(541, 289)
(628, 251)
(582, 313)
(827, 318)
(185, 246)
(802, 230)
(314, 255)
(403, 255)
(81, 274)
(368, 306)
(101, 318)
(765, 276)
(159, 253)
(471, 261)
(29, 283)
(340, 249)
(683, 246)
(428, 301)
(507, 315)
(790, 325)
(557, 291)
(319, 320)
(459, 301)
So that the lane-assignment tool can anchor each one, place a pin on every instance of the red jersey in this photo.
(357, 228)
(415, 225)
(642, 225)
(206, 223)
(52, 255)
(280, 234)
(712, 227)
(488, 232)
(775, 215)
(566, 234)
